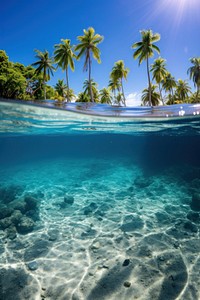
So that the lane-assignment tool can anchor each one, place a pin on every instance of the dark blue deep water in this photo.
(99, 204)
(151, 153)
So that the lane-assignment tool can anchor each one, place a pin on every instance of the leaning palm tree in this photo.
(159, 71)
(64, 57)
(118, 73)
(44, 66)
(145, 50)
(194, 72)
(169, 84)
(61, 88)
(105, 96)
(155, 96)
(87, 47)
(194, 98)
(182, 90)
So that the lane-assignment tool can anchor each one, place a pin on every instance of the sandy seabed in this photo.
(104, 230)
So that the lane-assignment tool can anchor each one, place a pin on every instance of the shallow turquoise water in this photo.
(99, 202)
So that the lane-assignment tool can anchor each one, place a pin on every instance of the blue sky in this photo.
(28, 25)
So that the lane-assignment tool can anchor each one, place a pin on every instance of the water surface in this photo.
(99, 202)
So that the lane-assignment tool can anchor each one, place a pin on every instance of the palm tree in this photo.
(114, 85)
(159, 73)
(44, 65)
(105, 96)
(71, 95)
(61, 88)
(119, 99)
(195, 98)
(118, 73)
(37, 86)
(169, 83)
(87, 47)
(194, 72)
(64, 57)
(82, 97)
(87, 85)
(155, 96)
(145, 50)
(182, 90)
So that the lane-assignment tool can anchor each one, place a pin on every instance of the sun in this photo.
(179, 10)
(181, 4)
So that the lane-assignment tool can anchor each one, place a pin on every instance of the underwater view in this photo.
(99, 202)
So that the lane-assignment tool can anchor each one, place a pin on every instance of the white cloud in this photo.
(133, 99)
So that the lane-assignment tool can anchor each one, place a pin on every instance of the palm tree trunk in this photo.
(45, 96)
(161, 93)
(114, 93)
(67, 80)
(197, 95)
(33, 93)
(123, 93)
(44, 82)
(149, 81)
(172, 94)
(118, 94)
(91, 94)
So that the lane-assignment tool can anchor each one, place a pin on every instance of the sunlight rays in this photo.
(182, 7)
(179, 8)
(175, 12)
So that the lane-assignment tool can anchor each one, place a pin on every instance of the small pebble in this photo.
(105, 267)
(161, 258)
(176, 245)
(127, 284)
(52, 237)
(96, 246)
(126, 262)
(32, 265)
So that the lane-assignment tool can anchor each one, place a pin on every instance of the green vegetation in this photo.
(118, 73)
(13, 78)
(45, 66)
(169, 85)
(182, 90)
(64, 57)
(145, 50)
(159, 72)
(194, 72)
(61, 90)
(105, 96)
(86, 47)
(90, 90)
(30, 82)
(155, 96)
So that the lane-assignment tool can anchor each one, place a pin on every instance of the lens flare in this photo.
(177, 10)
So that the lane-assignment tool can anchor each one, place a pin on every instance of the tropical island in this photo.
(18, 81)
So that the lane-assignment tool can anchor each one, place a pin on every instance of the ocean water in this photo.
(99, 202)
